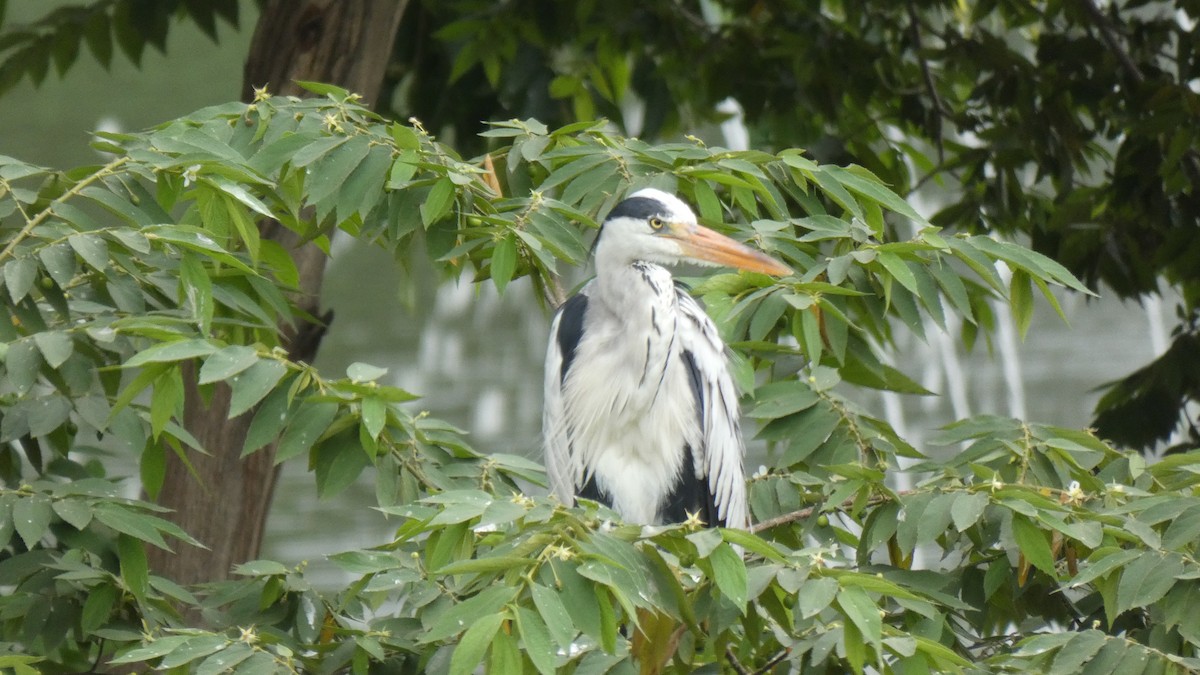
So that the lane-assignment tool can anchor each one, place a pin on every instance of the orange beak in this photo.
(701, 243)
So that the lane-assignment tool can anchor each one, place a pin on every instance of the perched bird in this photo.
(641, 413)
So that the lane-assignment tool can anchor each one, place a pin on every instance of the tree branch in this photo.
(939, 106)
(806, 512)
(1108, 33)
(102, 172)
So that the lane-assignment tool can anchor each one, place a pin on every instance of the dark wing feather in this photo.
(566, 330)
(717, 463)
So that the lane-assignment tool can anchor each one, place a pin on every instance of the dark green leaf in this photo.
(504, 262)
(98, 607)
(304, 428)
(338, 463)
(135, 571)
(438, 202)
(1033, 542)
(268, 422)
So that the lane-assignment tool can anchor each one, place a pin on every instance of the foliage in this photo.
(59, 37)
(1068, 124)
(124, 284)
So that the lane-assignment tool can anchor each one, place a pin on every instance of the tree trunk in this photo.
(342, 42)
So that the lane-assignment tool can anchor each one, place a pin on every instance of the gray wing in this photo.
(719, 458)
(565, 332)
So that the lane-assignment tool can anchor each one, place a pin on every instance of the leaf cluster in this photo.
(132, 286)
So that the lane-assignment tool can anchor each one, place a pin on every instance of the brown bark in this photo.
(342, 42)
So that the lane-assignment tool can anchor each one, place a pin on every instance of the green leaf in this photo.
(1078, 651)
(76, 512)
(555, 615)
(506, 657)
(227, 362)
(815, 595)
(438, 202)
(134, 568)
(198, 647)
(153, 650)
(374, 415)
(1032, 542)
(1147, 579)
(458, 618)
(900, 270)
(252, 384)
(167, 402)
(98, 607)
(316, 150)
(1021, 300)
(31, 518)
(862, 611)
(537, 640)
(729, 572)
(92, 248)
(196, 290)
(59, 262)
(967, 509)
(304, 428)
(56, 347)
(268, 422)
(361, 373)
(504, 262)
(474, 643)
(131, 522)
(328, 175)
(22, 362)
(780, 399)
(178, 350)
(338, 463)
(19, 276)
(224, 660)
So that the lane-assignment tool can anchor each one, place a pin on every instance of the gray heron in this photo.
(641, 413)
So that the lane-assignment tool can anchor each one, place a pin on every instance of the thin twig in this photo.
(1108, 33)
(783, 653)
(806, 512)
(734, 663)
(103, 171)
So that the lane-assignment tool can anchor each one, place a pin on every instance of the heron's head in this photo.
(657, 227)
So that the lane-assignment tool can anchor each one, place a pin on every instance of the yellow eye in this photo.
(656, 223)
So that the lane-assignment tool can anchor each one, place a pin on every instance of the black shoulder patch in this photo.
(638, 207)
(570, 331)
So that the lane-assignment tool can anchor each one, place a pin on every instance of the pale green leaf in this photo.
(227, 362)
(474, 643)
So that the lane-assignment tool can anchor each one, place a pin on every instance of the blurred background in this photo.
(476, 358)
